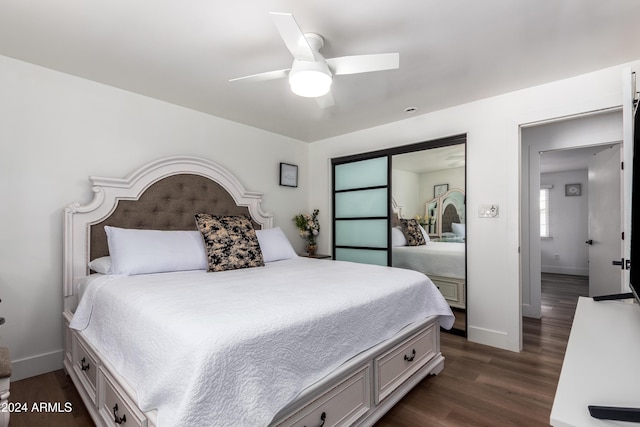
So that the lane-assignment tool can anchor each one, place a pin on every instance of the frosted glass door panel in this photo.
(362, 256)
(362, 233)
(362, 174)
(361, 210)
(365, 203)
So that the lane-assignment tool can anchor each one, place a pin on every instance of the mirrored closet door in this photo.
(425, 182)
(430, 187)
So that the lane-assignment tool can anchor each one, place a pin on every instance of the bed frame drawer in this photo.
(342, 405)
(86, 366)
(451, 289)
(448, 290)
(394, 367)
(115, 407)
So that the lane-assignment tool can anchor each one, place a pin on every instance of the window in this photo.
(545, 231)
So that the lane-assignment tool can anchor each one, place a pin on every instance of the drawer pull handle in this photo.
(116, 418)
(410, 358)
(323, 417)
(84, 365)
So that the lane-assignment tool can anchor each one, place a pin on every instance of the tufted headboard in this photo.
(162, 195)
(169, 204)
(449, 216)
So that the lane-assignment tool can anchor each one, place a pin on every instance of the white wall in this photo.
(569, 225)
(493, 175)
(412, 190)
(454, 177)
(406, 192)
(55, 131)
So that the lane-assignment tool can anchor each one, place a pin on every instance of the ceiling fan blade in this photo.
(325, 101)
(364, 63)
(270, 75)
(293, 36)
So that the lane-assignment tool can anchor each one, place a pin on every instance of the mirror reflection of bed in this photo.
(429, 187)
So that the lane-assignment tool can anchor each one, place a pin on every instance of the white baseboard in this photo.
(570, 271)
(489, 337)
(36, 365)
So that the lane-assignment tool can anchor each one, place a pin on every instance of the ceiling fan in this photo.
(311, 74)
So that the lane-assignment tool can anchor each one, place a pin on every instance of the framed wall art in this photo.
(572, 189)
(440, 189)
(288, 175)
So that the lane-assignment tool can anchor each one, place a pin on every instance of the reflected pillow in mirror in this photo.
(458, 229)
(397, 237)
(413, 232)
(425, 234)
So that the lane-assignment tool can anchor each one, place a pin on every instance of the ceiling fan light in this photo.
(310, 79)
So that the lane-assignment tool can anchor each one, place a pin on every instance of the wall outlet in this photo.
(488, 211)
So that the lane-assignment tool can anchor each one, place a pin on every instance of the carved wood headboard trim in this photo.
(185, 182)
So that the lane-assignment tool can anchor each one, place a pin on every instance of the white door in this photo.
(605, 222)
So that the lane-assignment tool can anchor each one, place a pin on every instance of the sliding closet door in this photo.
(361, 204)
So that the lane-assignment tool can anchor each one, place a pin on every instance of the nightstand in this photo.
(316, 256)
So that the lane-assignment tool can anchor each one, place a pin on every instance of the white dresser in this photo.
(601, 365)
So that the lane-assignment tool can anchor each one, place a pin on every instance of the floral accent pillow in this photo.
(230, 242)
(412, 232)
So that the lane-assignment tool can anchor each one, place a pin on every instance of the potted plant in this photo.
(309, 228)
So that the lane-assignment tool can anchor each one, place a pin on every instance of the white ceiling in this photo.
(431, 160)
(569, 159)
(451, 51)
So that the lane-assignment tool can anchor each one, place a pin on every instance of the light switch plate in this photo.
(488, 211)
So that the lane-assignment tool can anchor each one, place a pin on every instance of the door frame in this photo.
(530, 184)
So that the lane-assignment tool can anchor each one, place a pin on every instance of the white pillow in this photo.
(274, 245)
(101, 265)
(458, 229)
(425, 234)
(154, 251)
(397, 237)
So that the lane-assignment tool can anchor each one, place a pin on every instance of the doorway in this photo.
(580, 217)
(579, 132)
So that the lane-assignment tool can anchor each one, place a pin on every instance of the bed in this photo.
(443, 260)
(294, 341)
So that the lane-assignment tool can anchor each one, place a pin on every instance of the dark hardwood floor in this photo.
(54, 387)
(484, 386)
(480, 385)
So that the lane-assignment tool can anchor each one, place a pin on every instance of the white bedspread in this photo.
(233, 348)
(446, 259)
